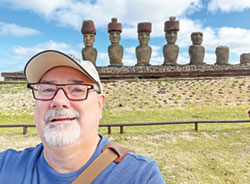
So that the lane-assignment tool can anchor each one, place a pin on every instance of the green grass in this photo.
(16, 119)
(205, 113)
(127, 116)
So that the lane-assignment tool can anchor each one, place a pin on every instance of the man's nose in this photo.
(60, 100)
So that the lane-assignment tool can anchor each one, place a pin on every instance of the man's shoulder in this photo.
(133, 168)
(140, 158)
(139, 162)
(14, 152)
(16, 157)
(131, 156)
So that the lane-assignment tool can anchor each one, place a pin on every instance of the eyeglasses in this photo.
(47, 91)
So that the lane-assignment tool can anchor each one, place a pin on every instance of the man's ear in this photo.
(101, 101)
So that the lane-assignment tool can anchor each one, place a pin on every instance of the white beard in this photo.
(64, 133)
(61, 134)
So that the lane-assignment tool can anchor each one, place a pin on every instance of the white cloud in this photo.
(129, 59)
(237, 39)
(102, 59)
(42, 7)
(186, 28)
(130, 50)
(155, 50)
(130, 32)
(129, 12)
(210, 58)
(155, 58)
(183, 58)
(228, 5)
(16, 30)
(24, 53)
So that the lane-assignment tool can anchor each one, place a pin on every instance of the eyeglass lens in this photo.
(72, 91)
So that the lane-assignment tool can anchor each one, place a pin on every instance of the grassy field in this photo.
(218, 153)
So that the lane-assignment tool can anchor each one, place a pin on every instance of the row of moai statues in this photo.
(143, 51)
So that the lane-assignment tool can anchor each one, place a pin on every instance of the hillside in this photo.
(144, 95)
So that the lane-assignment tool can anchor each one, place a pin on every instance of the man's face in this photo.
(61, 121)
(115, 37)
(89, 40)
(144, 37)
(171, 36)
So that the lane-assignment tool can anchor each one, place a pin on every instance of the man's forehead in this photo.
(66, 73)
(68, 81)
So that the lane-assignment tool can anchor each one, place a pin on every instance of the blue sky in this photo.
(27, 27)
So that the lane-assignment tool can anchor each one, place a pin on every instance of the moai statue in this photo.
(222, 55)
(115, 50)
(245, 58)
(143, 51)
(171, 50)
(196, 51)
(88, 52)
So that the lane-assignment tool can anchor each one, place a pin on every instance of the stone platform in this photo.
(158, 71)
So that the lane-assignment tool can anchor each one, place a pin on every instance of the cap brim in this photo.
(39, 64)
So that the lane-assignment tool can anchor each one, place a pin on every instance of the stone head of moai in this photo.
(197, 38)
(196, 51)
(114, 29)
(222, 55)
(245, 58)
(88, 30)
(144, 29)
(143, 51)
(171, 27)
(115, 51)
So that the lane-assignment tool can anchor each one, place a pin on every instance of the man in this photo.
(68, 107)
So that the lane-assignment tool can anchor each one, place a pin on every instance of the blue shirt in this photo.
(30, 167)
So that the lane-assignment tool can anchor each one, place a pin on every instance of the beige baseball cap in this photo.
(39, 64)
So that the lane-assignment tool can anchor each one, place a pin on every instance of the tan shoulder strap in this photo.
(111, 152)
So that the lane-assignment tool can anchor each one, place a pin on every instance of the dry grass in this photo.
(144, 95)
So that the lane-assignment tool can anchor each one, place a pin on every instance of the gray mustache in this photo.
(62, 112)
